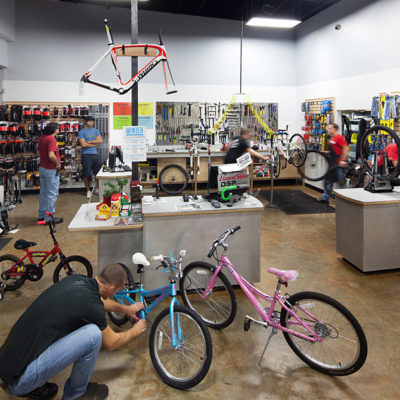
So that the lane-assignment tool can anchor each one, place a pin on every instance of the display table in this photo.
(171, 224)
(368, 229)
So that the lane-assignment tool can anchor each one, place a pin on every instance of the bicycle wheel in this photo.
(218, 310)
(297, 150)
(117, 318)
(373, 144)
(343, 350)
(355, 175)
(12, 282)
(187, 365)
(316, 166)
(73, 265)
(173, 179)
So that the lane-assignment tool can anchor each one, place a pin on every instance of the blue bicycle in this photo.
(180, 343)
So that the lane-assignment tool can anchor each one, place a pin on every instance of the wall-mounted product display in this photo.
(180, 122)
(318, 113)
(22, 125)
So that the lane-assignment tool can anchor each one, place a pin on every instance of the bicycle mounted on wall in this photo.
(156, 51)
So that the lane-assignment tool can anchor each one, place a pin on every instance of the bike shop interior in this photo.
(170, 86)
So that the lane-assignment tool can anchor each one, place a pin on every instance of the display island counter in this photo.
(368, 229)
(169, 223)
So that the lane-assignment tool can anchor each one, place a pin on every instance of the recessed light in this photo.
(273, 22)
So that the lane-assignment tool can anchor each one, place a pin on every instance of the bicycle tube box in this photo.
(232, 175)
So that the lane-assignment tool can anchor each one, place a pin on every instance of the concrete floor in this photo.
(302, 242)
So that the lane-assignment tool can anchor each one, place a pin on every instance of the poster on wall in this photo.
(122, 115)
(134, 144)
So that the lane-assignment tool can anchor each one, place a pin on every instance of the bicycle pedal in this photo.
(246, 325)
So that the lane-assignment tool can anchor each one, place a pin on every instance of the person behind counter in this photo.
(66, 325)
(241, 145)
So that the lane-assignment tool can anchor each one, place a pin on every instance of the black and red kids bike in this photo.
(14, 271)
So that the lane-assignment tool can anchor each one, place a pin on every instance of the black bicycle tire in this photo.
(364, 159)
(130, 284)
(319, 178)
(206, 366)
(276, 170)
(227, 284)
(358, 173)
(185, 174)
(82, 260)
(305, 147)
(349, 316)
(20, 281)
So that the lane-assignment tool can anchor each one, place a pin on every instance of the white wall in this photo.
(352, 64)
(7, 29)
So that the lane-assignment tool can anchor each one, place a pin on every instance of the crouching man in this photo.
(66, 325)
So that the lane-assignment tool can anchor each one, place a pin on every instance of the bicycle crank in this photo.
(33, 272)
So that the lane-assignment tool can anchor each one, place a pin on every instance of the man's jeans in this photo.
(80, 347)
(340, 178)
(49, 181)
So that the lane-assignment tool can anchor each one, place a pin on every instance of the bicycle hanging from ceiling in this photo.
(156, 51)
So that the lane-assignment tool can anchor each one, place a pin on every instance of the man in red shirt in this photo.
(338, 153)
(50, 165)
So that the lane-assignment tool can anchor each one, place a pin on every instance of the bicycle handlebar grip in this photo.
(235, 229)
(211, 252)
(49, 214)
(41, 223)
(158, 258)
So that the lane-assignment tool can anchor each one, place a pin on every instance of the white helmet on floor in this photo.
(139, 258)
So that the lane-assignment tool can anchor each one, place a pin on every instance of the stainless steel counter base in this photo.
(195, 234)
(367, 235)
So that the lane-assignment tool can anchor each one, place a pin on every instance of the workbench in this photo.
(368, 229)
(171, 224)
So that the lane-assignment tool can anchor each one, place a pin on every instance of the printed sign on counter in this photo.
(134, 144)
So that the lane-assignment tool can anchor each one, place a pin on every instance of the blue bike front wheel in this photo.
(185, 363)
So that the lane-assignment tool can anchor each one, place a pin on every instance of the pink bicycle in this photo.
(320, 330)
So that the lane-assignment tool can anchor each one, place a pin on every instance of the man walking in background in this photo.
(89, 138)
(49, 167)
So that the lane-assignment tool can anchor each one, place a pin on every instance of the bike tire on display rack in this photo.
(173, 179)
(297, 150)
(370, 146)
(73, 265)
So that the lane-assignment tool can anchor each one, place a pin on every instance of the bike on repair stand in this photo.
(180, 343)
(320, 330)
(14, 270)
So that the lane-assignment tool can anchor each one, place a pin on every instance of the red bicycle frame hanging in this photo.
(157, 52)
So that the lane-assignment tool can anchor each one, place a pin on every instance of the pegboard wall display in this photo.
(179, 123)
(318, 113)
(386, 109)
(22, 124)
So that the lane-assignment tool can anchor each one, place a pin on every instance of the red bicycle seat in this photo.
(284, 275)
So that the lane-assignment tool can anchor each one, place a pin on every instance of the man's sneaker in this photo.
(45, 392)
(88, 194)
(323, 201)
(95, 391)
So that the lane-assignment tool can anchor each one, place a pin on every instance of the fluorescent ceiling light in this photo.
(273, 22)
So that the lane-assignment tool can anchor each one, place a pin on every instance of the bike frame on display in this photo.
(251, 292)
(157, 52)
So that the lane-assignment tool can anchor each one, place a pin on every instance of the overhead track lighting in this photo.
(273, 22)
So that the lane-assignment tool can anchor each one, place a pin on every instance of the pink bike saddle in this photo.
(285, 276)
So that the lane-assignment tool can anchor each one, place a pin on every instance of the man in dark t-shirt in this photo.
(239, 146)
(66, 324)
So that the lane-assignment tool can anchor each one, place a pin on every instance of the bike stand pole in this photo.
(274, 332)
(271, 199)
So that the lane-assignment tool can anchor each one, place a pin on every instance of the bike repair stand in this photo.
(271, 199)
